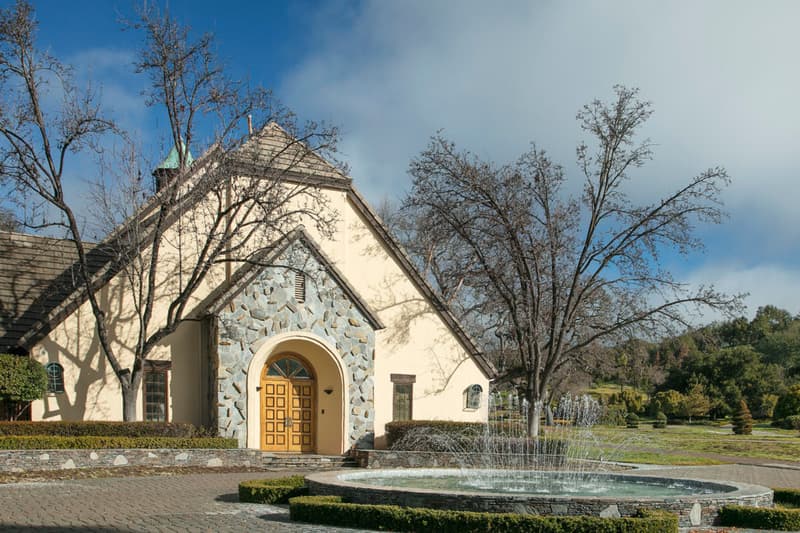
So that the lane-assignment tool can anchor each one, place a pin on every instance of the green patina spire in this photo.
(172, 160)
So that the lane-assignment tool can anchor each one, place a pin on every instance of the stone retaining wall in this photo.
(32, 460)
(412, 459)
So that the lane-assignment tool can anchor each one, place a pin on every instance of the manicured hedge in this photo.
(787, 496)
(45, 442)
(760, 518)
(277, 490)
(101, 429)
(396, 431)
(331, 511)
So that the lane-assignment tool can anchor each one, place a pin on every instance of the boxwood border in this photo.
(333, 511)
(276, 490)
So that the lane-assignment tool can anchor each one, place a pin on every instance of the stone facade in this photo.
(266, 307)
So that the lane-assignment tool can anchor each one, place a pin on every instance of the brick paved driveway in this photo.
(209, 502)
(197, 502)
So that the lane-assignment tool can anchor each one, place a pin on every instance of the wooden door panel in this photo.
(282, 399)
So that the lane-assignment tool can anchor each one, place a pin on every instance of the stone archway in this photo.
(328, 393)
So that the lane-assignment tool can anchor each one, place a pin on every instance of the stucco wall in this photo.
(415, 340)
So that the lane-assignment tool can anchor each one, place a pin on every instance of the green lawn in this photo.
(682, 443)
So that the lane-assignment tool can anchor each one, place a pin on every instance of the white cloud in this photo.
(721, 74)
(767, 284)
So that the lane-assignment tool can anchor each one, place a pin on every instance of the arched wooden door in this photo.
(287, 406)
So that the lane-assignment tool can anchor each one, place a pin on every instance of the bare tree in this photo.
(8, 221)
(565, 275)
(205, 215)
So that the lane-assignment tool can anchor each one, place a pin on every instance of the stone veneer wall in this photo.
(266, 307)
(36, 460)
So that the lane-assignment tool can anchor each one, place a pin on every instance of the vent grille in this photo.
(300, 287)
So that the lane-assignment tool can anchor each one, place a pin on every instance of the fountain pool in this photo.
(697, 502)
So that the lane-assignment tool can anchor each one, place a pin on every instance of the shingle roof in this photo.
(36, 275)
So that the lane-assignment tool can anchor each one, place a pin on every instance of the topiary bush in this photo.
(91, 428)
(277, 490)
(743, 420)
(661, 421)
(332, 511)
(47, 442)
(632, 421)
(760, 518)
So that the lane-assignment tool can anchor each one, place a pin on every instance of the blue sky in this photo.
(723, 77)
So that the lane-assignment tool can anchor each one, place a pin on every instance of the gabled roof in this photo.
(240, 279)
(36, 275)
(23, 324)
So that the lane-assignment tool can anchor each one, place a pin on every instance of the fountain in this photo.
(504, 471)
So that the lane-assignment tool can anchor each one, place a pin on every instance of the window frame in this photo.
(401, 381)
(156, 367)
(469, 395)
(54, 381)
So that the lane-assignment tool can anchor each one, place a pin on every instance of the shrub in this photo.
(632, 421)
(760, 518)
(101, 429)
(633, 401)
(671, 402)
(22, 380)
(277, 490)
(614, 415)
(743, 420)
(661, 421)
(397, 431)
(46, 442)
(789, 403)
(790, 422)
(787, 496)
(331, 511)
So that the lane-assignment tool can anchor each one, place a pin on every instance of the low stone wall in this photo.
(32, 460)
(692, 510)
(413, 459)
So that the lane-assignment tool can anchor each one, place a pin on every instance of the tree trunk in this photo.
(129, 397)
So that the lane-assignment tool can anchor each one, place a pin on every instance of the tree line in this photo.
(708, 371)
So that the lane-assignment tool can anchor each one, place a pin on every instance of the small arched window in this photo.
(472, 397)
(55, 377)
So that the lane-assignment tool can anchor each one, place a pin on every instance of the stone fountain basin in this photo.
(692, 509)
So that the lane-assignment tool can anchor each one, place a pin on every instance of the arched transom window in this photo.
(290, 368)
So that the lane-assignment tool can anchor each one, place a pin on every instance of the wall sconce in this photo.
(328, 391)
